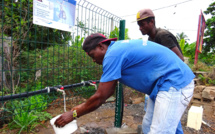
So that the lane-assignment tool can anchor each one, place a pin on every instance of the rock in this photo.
(197, 96)
(98, 119)
(129, 117)
(197, 81)
(111, 99)
(137, 100)
(126, 130)
(199, 89)
(83, 130)
(209, 93)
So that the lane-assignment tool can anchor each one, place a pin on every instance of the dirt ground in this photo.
(96, 122)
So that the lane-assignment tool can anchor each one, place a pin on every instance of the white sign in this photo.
(58, 14)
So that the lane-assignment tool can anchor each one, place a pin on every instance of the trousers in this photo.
(163, 115)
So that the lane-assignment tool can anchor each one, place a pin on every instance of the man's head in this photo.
(146, 21)
(95, 45)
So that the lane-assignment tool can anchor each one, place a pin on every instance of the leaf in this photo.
(14, 4)
(182, 45)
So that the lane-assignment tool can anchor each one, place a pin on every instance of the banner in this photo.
(200, 35)
(58, 14)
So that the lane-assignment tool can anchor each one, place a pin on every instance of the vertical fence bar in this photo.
(119, 91)
(122, 30)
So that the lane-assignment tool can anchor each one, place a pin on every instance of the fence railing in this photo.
(34, 57)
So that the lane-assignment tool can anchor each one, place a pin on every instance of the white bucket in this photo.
(194, 119)
(67, 129)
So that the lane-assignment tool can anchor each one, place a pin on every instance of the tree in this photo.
(182, 35)
(209, 34)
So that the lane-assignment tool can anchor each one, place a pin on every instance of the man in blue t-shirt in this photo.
(145, 66)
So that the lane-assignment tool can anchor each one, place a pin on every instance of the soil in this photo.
(98, 121)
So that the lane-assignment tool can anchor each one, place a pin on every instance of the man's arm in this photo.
(177, 52)
(104, 91)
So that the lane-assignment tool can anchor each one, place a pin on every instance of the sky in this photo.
(175, 15)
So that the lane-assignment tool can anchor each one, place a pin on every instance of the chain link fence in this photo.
(34, 57)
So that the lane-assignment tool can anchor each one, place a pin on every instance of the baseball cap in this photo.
(93, 40)
(144, 13)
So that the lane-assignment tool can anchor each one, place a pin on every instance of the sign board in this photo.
(200, 35)
(58, 14)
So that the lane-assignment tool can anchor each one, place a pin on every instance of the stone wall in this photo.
(204, 96)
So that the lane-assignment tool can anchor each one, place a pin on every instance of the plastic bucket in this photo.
(67, 129)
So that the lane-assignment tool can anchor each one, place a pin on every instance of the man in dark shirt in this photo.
(146, 22)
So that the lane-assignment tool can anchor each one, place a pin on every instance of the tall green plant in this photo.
(182, 45)
(180, 36)
(115, 33)
(189, 50)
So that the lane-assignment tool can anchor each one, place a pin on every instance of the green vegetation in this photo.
(206, 59)
(24, 122)
(206, 62)
(59, 65)
(28, 115)
(180, 36)
(206, 80)
(28, 112)
(209, 39)
(51, 65)
(115, 33)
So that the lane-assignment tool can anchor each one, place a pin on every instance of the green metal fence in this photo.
(34, 57)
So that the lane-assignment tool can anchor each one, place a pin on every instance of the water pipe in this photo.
(46, 90)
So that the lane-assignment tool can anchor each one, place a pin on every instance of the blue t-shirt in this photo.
(145, 66)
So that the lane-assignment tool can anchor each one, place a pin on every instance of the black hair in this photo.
(149, 19)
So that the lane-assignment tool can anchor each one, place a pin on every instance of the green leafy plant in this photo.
(24, 121)
(188, 50)
(211, 81)
(202, 79)
(208, 79)
(28, 113)
(42, 116)
(115, 33)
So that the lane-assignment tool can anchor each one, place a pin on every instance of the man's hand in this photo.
(105, 90)
(64, 119)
